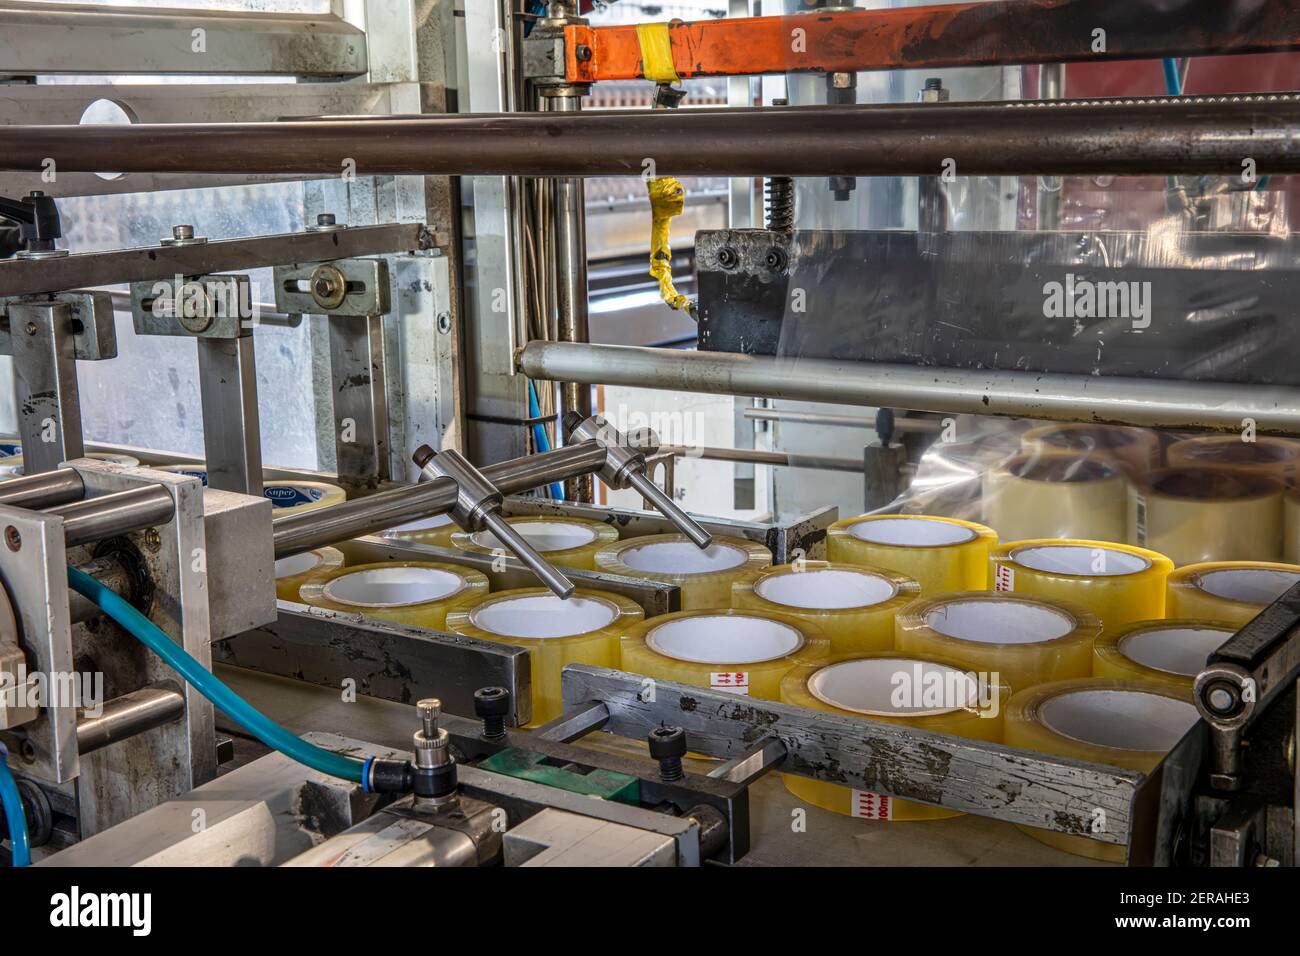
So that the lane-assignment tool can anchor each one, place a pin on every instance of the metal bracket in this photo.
(342, 287)
(205, 306)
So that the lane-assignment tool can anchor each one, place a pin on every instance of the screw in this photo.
(152, 540)
(491, 705)
(326, 219)
(668, 746)
(13, 539)
(31, 328)
(429, 710)
(183, 232)
(444, 322)
(582, 52)
(728, 258)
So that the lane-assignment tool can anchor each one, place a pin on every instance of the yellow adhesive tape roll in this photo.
(292, 573)
(656, 52)
(1207, 514)
(741, 652)
(1125, 724)
(1056, 496)
(568, 542)
(854, 606)
(924, 693)
(584, 629)
(1273, 457)
(940, 554)
(1169, 652)
(406, 592)
(1024, 640)
(1116, 582)
(435, 532)
(286, 497)
(11, 466)
(1230, 591)
(704, 576)
(1137, 450)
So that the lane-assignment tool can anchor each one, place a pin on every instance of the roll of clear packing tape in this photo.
(584, 629)
(737, 651)
(920, 692)
(853, 605)
(704, 576)
(1272, 457)
(1207, 514)
(940, 554)
(1056, 496)
(11, 466)
(1117, 582)
(1291, 526)
(421, 593)
(1229, 591)
(286, 497)
(567, 542)
(1169, 652)
(1025, 640)
(1127, 724)
(292, 573)
(1136, 450)
(435, 531)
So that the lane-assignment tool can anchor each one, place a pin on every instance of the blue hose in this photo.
(539, 436)
(207, 684)
(1173, 80)
(13, 806)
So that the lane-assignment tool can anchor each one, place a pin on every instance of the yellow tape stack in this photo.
(585, 629)
(567, 542)
(705, 577)
(11, 466)
(1207, 514)
(1169, 652)
(1124, 724)
(1273, 457)
(1024, 640)
(292, 573)
(919, 692)
(742, 652)
(286, 497)
(854, 606)
(406, 592)
(1056, 496)
(940, 554)
(1116, 582)
(435, 532)
(1230, 591)
(1136, 450)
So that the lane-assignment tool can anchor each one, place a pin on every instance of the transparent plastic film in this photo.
(1024, 640)
(704, 576)
(737, 651)
(1229, 591)
(940, 554)
(292, 573)
(436, 531)
(567, 542)
(923, 692)
(1117, 723)
(1170, 652)
(421, 593)
(1135, 450)
(584, 629)
(1116, 582)
(854, 606)
(1056, 495)
(1263, 455)
(1195, 515)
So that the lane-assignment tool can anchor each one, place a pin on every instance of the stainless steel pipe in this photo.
(46, 490)
(537, 471)
(128, 715)
(294, 534)
(94, 519)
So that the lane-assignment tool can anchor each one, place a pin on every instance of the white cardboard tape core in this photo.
(682, 557)
(825, 589)
(1080, 559)
(393, 587)
(298, 564)
(1174, 650)
(723, 639)
(1251, 585)
(999, 622)
(1119, 719)
(893, 686)
(911, 532)
(543, 615)
(542, 535)
(424, 524)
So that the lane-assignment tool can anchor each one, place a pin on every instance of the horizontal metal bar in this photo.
(1158, 136)
(1128, 401)
(94, 519)
(44, 490)
(537, 471)
(128, 715)
(967, 775)
(306, 530)
(759, 456)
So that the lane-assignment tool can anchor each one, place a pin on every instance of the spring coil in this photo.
(779, 191)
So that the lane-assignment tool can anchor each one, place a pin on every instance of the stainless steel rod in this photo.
(94, 519)
(301, 532)
(45, 490)
(1129, 401)
(128, 715)
(759, 456)
(537, 471)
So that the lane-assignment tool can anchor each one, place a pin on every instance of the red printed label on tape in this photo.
(871, 806)
(1004, 577)
(733, 682)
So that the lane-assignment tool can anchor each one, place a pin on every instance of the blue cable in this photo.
(539, 436)
(17, 819)
(1173, 81)
(207, 684)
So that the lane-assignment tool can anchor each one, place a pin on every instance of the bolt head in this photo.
(491, 702)
(429, 709)
(667, 742)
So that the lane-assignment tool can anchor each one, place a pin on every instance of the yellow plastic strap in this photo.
(656, 52)
(667, 199)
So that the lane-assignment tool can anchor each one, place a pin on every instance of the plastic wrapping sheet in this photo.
(941, 554)
(1208, 514)
(292, 573)
(567, 542)
(1273, 457)
(703, 576)
(1171, 651)
(405, 592)
(1229, 591)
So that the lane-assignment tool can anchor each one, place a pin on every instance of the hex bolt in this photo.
(668, 746)
(491, 704)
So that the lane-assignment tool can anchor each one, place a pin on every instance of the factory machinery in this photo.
(454, 749)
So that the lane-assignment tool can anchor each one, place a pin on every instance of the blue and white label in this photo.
(289, 496)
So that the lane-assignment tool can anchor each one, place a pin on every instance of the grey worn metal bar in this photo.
(573, 725)
(45, 490)
(232, 437)
(45, 384)
(105, 516)
(128, 715)
(360, 401)
(1128, 401)
(294, 534)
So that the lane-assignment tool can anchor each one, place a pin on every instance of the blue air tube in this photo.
(539, 436)
(17, 819)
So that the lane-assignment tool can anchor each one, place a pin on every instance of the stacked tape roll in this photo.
(10, 445)
(584, 629)
(1273, 457)
(704, 576)
(286, 497)
(1116, 582)
(11, 466)
(940, 554)
(1056, 496)
(292, 573)
(1169, 652)
(919, 692)
(1117, 723)
(1291, 526)
(1025, 640)
(1207, 514)
(738, 651)
(568, 542)
(853, 605)
(1230, 591)
(422, 593)
(1136, 450)
(435, 532)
